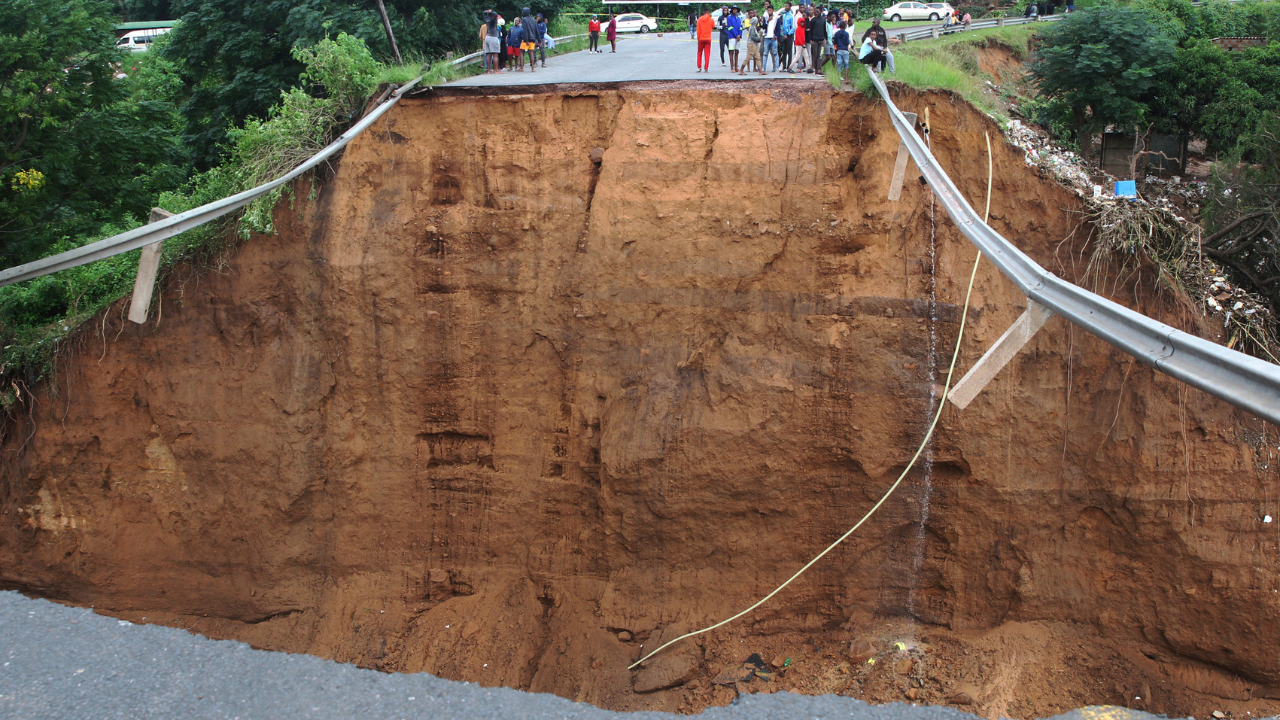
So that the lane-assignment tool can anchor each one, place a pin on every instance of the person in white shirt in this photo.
(772, 22)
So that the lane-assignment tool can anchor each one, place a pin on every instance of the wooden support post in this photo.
(900, 167)
(148, 266)
(999, 355)
(391, 38)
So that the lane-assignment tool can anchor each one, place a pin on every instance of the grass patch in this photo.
(951, 63)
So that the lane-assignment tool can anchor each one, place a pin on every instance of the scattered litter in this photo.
(1219, 714)
(1266, 519)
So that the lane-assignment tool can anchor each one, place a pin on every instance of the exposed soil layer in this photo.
(537, 380)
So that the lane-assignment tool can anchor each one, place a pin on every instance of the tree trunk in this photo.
(1083, 139)
(391, 38)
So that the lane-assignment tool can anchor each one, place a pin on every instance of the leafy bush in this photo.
(36, 315)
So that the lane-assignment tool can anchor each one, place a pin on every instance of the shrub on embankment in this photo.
(37, 316)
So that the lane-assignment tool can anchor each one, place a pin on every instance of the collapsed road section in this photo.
(537, 381)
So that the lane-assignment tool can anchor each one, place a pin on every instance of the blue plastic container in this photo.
(1126, 189)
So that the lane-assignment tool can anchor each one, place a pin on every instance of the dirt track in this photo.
(485, 404)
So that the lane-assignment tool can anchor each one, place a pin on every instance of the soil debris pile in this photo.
(536, 381)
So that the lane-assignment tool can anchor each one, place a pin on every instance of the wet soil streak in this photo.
(507, 414)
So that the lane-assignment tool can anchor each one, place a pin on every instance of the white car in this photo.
(911, 11)
(140, 40)
(635, 22)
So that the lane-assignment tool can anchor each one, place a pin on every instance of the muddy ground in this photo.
(533, 381)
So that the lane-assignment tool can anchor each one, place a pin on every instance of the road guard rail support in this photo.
(1244, 381)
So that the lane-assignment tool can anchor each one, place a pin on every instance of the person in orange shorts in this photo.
(705, 27)
(529, 38)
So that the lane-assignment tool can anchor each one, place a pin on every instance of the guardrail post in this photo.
(935, 33)
(900, 166)
(1000, 353)
(999, 22)
(148, 266)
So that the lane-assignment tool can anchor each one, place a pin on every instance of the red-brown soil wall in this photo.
(484, 404)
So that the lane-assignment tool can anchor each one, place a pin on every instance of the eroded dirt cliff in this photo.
(536, 379)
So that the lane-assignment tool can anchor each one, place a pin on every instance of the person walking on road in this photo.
(705, 27)
(593, 32)
(693, 26)
(611, 33)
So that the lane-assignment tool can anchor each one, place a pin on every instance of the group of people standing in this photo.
(800, 38)
(505, 48)
(610, 33)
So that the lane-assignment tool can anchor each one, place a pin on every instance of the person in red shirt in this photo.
(705, 26)
(611, 33)
(593, 29)
(799, 42)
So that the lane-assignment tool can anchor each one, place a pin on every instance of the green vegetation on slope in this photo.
(951, 63)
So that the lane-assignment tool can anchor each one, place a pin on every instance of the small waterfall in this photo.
(926, 460)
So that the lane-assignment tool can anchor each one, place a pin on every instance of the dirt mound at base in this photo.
(492, 410)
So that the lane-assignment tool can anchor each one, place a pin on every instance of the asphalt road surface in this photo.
(640, 57)
(66, 662)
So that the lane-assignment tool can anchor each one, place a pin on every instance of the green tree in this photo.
(237, 54)
(1102, 63)
(136, 10)
(83, 144)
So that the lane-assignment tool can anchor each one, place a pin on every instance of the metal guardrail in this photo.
(180, 223)
(935, 32)
(1244, 381)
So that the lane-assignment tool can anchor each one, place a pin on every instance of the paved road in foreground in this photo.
(65, 662)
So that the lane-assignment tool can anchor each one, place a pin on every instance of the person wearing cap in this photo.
(593, 31)
(735, 37)
(705, 26)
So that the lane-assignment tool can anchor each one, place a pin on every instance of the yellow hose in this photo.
(964, 316)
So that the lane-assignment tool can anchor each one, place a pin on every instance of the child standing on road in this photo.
(841, 41)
